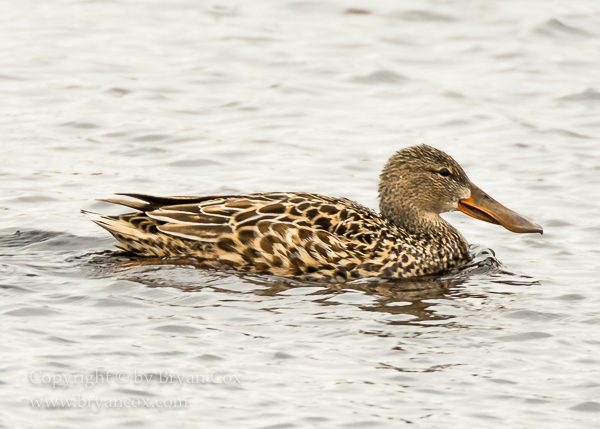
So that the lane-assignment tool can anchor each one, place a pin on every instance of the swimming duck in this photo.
(314, 237)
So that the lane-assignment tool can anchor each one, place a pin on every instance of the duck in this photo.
(313, 237)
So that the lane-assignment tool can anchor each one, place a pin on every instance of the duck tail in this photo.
(131, 239)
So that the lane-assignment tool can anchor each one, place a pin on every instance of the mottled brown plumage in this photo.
(311, 236)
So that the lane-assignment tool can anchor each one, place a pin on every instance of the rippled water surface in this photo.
(190, 97)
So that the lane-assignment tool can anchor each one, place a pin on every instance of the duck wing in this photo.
(210, 217)
(297, 234)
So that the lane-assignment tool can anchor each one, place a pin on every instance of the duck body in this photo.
(288, 234)
(314, 237)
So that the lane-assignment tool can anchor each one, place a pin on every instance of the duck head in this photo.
(420, 182)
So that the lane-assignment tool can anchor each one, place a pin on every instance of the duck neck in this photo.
(419, 222)
(413, 220)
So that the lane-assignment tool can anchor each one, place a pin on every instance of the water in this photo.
(185, 98)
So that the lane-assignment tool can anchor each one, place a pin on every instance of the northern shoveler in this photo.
(313, 237)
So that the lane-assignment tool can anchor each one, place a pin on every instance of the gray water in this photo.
(188, 98)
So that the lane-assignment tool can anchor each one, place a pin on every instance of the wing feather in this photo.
(199, 232)
(170, 216)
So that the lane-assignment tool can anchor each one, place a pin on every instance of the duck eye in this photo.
(444, 172)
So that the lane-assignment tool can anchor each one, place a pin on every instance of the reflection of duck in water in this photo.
(321, 238)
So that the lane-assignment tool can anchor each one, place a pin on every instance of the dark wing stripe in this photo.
(276, 208)
(169, 201)
(245, 215)
(164, 201)
(218, 211)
